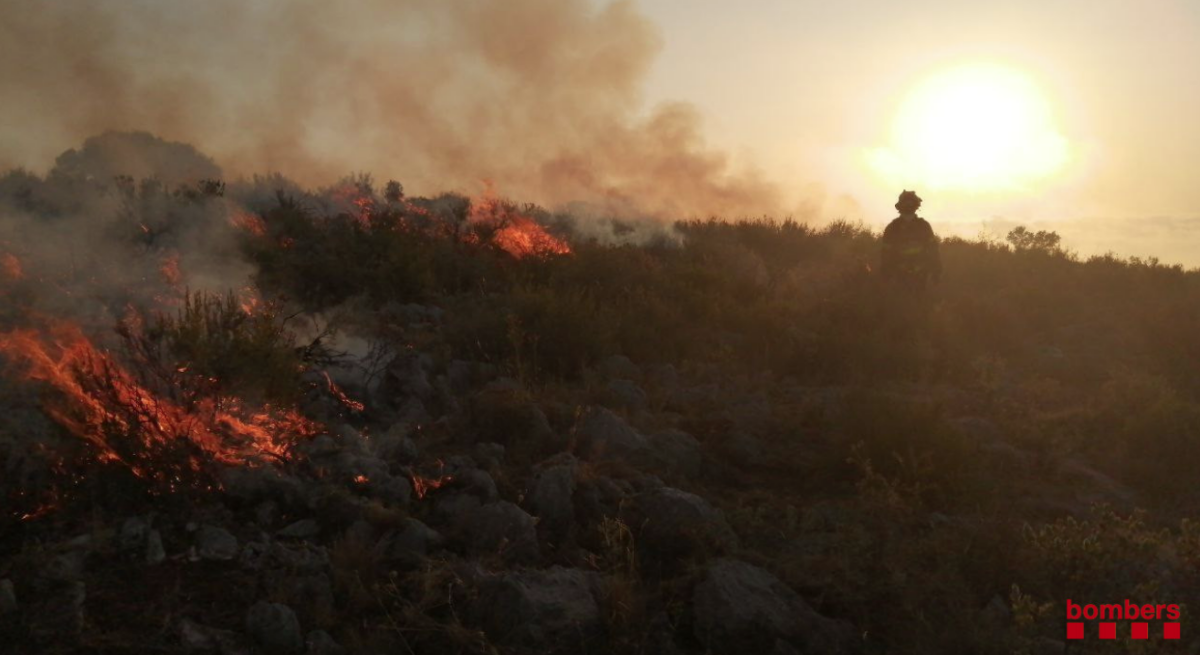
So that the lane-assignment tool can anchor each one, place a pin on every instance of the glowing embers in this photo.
(10, 267)
(249, 222)
(422, 484)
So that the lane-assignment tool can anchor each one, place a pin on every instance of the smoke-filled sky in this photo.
(1075, 115)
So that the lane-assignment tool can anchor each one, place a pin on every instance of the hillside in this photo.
(247, 417)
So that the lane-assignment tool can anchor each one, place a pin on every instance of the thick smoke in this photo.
(125, 222)
(541, 97)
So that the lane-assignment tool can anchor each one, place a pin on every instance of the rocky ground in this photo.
(464, 510)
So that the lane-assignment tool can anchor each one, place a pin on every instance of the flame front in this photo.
(125, 421)
(515, 233)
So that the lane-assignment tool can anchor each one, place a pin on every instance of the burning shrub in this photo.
(168, 428)
(239, 347)
(504, 226)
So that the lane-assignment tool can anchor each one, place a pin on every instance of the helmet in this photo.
(908, 200)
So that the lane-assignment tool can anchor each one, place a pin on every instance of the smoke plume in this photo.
(541, 97)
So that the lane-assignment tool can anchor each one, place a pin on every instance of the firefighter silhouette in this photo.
(910, 248)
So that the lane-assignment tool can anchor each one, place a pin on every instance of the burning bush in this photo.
(239, 347)
(170, 428)
(407, 250)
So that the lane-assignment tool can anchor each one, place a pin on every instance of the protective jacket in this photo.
(910, 251)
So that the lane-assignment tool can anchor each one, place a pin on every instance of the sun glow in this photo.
(974, 128)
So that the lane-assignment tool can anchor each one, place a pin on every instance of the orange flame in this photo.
(39, 512)
(356, 196)
(11, 266)
(249, 301)
(337, 393)
(423, 485)
(515, 233)
(102, 403)
(170, 269)
(252, 223)
(522, 236)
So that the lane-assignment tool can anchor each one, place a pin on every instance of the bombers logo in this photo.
(1139, 617)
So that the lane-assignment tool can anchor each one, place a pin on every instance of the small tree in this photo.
(393, 192)
(1042, 240)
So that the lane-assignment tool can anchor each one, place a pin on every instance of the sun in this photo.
(974, 128)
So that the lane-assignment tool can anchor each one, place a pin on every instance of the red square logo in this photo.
(1108, 630)
(1139, 630)
(1170, 631)
(1074, 631)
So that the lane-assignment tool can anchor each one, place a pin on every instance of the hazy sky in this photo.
(806, 86)
(1077, 115)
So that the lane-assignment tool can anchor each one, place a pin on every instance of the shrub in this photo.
(1022, 238)
(241, 349)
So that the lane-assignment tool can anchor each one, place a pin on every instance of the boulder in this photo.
(407, 377)
(602, 434)
(617, 367)
(409, 545)
(213, 543)
(459, 375)
(662, 377)
(261, 483)
(669, 524)
(8, 597)
(155, 553)
(298, 557)
(550, 497)
(625, 394)
(500, 527)
(67, 566)
(452, 508)
(476, 482)
(489, 455)
(202, 638)
(349, 466)
(551, 611)
(676, 451)
(396, 444)
(413, 411)
(600, 497)
(302, 529)
(397, 490)
(995, 613)
(275, 628)
(309, 595)
(687, 399)
(133, 534)
(741, 608)
(503, 412)
(319, 642)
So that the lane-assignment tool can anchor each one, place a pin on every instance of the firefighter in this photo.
(910, 248)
